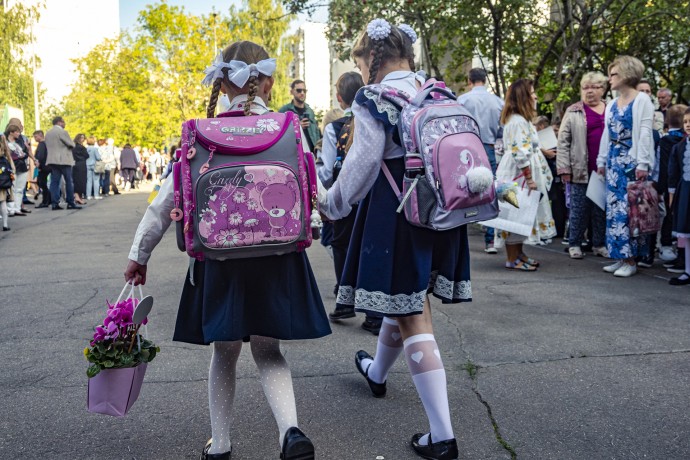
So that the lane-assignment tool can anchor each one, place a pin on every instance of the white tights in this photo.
(3, 212)
(276, 381)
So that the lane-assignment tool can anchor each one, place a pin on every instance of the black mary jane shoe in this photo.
(377, 389)
(680, 282)
(442, 450)
(206, 456)
(296, 446)
(342, 313)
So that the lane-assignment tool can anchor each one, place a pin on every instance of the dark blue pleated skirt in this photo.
(681, 208)
(274, 296)
(392, 265)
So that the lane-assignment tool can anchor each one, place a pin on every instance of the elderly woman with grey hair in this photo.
(626, 153)
(576, 159)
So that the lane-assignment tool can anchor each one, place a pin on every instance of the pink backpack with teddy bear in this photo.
(244, 187)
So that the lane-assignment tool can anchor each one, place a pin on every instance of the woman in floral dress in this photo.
(626, 154)
(524, 160)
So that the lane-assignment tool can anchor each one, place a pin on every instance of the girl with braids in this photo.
(241, 299)
(392, 266)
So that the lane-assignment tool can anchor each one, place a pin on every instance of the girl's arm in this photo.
(153, 225)
(361, 168)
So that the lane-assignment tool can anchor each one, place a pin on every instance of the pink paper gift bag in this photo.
(113, 391)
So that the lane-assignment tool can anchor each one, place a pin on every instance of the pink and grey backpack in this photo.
(448, 180)
(244, 187)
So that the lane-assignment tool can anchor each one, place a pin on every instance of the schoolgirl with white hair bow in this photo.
(262, 300)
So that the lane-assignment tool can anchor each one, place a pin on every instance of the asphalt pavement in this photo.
(564, 363)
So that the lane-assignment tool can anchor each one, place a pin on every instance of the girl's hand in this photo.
(135, 272)
(601, 170)
(531, 185)
(641, 174)
(566, 178)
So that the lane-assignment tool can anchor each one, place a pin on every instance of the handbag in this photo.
(643, 208)
(99, 167)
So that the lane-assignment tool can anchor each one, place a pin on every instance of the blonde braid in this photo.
(211, 109)
(253, 88)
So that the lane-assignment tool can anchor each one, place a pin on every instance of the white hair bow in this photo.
(238, 71)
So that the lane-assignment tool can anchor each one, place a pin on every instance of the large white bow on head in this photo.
(238, 71)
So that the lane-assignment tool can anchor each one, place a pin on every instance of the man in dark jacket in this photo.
(305, 114)
(43, 169)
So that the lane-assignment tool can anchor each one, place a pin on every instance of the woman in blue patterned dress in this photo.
(626, 153)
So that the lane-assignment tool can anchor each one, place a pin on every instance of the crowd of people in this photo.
(57, 171)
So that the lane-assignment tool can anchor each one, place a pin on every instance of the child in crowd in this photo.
(392, 266)
(337, 139)
(6, 181)
(675, 135)
(240, 299)
(679, 196)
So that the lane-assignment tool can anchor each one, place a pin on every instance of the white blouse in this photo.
(371, 145)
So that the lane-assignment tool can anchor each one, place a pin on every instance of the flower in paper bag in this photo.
(114, 343)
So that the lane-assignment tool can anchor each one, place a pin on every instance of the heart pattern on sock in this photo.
(437, 353)
(417, 356)
(396, 336)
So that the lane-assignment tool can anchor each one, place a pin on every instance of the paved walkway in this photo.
(565, 363)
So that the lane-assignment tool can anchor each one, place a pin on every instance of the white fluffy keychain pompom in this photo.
(479, 179)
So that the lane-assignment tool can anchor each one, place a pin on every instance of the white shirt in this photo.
(371, 145)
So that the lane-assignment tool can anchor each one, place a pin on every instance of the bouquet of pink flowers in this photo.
(119, 355)
(113, 344)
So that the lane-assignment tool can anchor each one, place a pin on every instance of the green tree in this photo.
(16, 66)
(554, 42)
(141, 87)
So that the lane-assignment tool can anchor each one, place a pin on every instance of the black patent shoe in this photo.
(206, 456)
(680, 282)
(296, 446)
(442, 450)
(342, 313)
(377, 389)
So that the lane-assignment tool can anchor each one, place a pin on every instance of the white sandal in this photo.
(575, 253)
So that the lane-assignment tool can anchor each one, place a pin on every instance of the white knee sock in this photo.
(221, 393)
(276, 381)
(4, 213)
(388, 349)
(429, 376)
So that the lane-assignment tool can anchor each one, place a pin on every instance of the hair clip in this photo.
(378, 29)
(409, 31)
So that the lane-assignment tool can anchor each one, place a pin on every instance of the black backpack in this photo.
(5, 174)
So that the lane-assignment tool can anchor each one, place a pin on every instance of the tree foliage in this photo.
(16, 66)
(554, 41)
(140, 87)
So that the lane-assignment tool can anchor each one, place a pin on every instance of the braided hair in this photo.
(396, 46)
(253, 88)
(245, 51)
